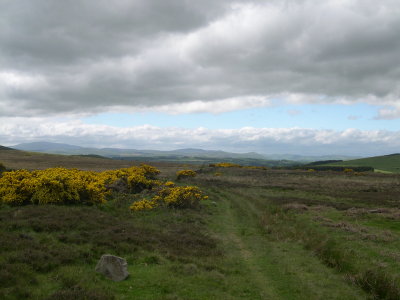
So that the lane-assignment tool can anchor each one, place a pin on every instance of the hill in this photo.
(5, 148)
(17, 159)
(60, 148)
(179, 156)
(387, 163)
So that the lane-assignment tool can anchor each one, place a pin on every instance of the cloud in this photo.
(389, 113)
(214, 107)
(262, 140)
(71, 57)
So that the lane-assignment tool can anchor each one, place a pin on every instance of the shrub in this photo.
(135, 178)
(175, 197)
(185, 174)
(348, 170)
(181, 197)
(143, 204)
(2, 168)
(226, 165)
(60, 185)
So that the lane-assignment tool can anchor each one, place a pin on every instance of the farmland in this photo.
(261, 234)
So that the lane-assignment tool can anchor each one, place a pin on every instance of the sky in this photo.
(304, 77)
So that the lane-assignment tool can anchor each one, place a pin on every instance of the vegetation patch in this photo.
(71, 186)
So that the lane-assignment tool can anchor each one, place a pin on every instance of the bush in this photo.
(69, 186)
(185, 174)
(226, 165)
(175, 197)
(143, 204)
(181, 197)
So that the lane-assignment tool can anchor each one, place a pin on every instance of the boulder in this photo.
(113, 267)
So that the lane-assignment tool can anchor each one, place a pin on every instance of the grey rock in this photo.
(113, 267)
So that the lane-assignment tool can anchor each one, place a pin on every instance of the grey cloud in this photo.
(97, 54)
(53, 33)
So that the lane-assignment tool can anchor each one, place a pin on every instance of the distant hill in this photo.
(47, 147)
(59, 148)
(309, 158)
(193, 153)
(388, 163)
(180, 156)
(18, 159)
(5, 148)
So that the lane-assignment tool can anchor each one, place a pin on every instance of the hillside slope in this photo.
(388, 163)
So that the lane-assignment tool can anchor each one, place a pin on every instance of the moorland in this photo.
(260, 234)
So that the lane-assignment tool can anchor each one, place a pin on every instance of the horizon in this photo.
(305, 78)
(265, 155)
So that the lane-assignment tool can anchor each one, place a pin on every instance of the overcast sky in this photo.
(296, 76)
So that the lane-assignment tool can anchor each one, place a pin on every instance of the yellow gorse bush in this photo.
(176, 197)
(143, 204)
(61, 185)
(180, 196)
(185, 174)
(183, 197)
(225, 165)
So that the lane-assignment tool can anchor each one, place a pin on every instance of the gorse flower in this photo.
(72, 186)
(185, 174)
(232, 165)
(175, 197)
(143, 204)
(226, 165)
(61, 185)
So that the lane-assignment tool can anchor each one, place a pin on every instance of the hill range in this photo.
(59, 151)
(188, 154)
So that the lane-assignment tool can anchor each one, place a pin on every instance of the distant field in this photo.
(388, 163)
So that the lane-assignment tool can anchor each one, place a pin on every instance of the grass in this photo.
(46, 246)
(385, 163)
(272, 234)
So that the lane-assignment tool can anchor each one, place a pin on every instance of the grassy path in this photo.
(273, 270)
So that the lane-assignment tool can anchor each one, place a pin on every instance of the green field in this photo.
(262, 234)
(386, 163)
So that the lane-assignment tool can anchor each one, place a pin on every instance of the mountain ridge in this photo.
(67, 149)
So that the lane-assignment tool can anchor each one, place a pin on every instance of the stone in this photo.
(113, 267)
